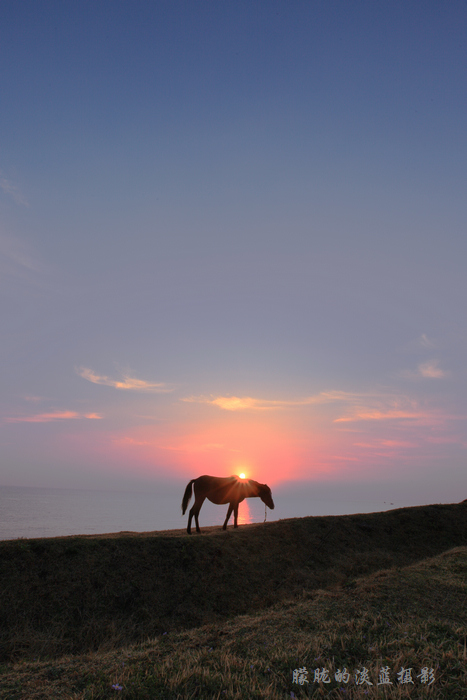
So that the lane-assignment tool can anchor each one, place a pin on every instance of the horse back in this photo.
(218, 489)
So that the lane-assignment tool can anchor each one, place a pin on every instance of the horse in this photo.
(219, 490)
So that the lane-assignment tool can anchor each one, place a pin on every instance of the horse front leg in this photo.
(229, 513)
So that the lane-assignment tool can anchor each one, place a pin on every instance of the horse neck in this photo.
(254, 489)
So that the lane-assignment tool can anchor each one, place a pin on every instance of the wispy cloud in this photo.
(350, 409)
(398, 443)
(127, 383)
(13, 191)
(245, 403)
(387, 444)
(426, 370)
(131, 441)
(377, 415)
(51, 417)
(17, 260)
(400, 411)
(425, 341)
(431, 370)
(196, 447)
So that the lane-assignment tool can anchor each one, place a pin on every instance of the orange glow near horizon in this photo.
(259, 449)
(270, 448)
(262, 449)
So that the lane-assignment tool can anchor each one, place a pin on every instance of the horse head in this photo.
(266, 495)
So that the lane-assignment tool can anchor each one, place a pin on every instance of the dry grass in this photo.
(325, 614)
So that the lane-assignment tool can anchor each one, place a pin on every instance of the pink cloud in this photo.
(384, 415)
(51, 417)
(127, 383)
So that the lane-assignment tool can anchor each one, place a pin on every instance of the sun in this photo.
(242, 475)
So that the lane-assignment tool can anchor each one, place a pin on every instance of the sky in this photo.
(232, 239)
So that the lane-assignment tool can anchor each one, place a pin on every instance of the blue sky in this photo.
(232, 237)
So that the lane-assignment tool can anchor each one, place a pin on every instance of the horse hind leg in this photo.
(194, 512)
(235, 510)
(197, 521)
(190, 516)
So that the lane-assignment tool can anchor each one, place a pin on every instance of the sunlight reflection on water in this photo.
(244, 514)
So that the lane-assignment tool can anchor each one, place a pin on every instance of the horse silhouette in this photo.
(216, 489)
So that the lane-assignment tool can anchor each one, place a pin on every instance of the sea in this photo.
(33, 512)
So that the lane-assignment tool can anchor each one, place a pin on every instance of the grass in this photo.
(231, 615)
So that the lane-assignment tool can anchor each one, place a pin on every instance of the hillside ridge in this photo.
(75, 593)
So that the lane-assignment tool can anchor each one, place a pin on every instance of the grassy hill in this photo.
(232, 614)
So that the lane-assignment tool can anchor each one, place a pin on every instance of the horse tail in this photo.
(187, 496)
